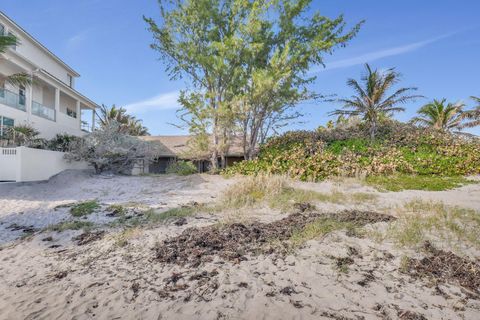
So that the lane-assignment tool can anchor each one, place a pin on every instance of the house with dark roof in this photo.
(173, 148)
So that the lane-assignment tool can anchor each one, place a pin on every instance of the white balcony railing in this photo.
(12, 99)
(40, 110)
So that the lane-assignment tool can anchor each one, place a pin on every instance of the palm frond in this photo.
(472, 116)
(20, 79)
(441, 115)
(7, 41)
(371, 100)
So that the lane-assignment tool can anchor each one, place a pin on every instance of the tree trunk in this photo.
(214, 156)
(373, 130)
(245, 141)
(223, 161)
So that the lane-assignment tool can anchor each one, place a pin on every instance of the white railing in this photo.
(12, 99)
(40, 110)
(9, 151)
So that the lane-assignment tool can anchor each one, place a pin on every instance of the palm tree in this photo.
(440, 115)
(107, 115)
(17, 79)
(136, 128)
(372, 101)
(127, 123)
(22, 135)
(472, 116)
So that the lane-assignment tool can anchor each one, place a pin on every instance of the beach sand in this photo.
(47, 274)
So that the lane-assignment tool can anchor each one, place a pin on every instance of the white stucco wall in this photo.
(34, 165)
(47, 128)
(67, 102)
(19, 116)
(9, 165)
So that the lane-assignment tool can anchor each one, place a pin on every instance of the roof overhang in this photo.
(72, 91)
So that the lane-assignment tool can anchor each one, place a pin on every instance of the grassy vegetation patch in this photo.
(415, 182)
(319, 228)
(123, 238)
(117, 209)
(71, 225)
(85, 208)
(289, 196)
(153, 217)
(182, 168)
(423, 219)
(275, 192)
(180, 212)
(362, 197)
(253, 190)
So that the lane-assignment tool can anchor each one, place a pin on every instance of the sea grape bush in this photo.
(399, 148)
(181, 167)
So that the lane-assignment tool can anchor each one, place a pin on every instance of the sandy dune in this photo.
(49, 276)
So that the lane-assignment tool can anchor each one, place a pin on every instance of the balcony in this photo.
(12, 99)
(43, 111)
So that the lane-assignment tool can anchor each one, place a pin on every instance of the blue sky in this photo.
(434, 44)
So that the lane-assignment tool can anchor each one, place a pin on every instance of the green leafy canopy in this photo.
(246, 61)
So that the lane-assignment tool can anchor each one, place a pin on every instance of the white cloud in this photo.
(76, 41)
(163, 101)
(376, 55)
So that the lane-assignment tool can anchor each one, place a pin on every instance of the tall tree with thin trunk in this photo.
(248, 62)
(440, 115)
(372, 100)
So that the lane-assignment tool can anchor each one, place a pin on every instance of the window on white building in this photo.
(70, 80)
(5, 123)
(2, 30)
(2, 88)
(71, 113)
(21, 95)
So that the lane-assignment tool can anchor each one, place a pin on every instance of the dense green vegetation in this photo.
(400, 182)
(183, 168)
(83, 209)
(347, 150)
(247, 63)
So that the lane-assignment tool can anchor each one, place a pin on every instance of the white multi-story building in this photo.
(51, 104)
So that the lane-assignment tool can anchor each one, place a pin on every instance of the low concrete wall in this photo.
(27, 164)
(8, 164)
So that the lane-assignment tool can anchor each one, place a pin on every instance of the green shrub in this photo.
(62, 142)
(400, 149)
(84, 208)
(182, 168)
(71, 225)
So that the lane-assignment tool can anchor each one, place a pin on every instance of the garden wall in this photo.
(26, 164)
